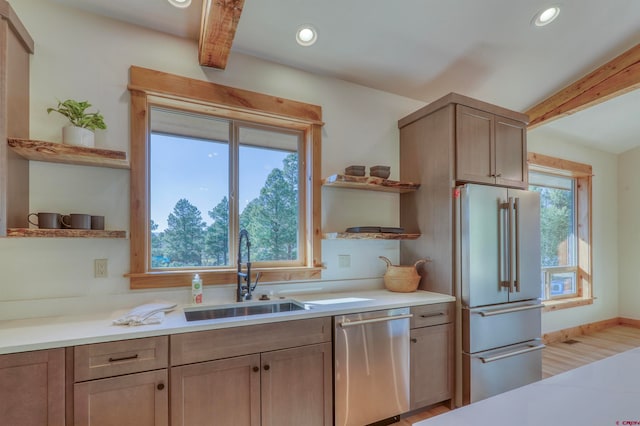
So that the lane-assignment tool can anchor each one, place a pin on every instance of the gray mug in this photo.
(76, 221)
(46, 220)
(97, 222)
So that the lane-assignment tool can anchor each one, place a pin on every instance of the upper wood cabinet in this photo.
(490, 148)
(17, 46)
(452, 141)
(32, 390)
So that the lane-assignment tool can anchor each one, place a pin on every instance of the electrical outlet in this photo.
(100, 268)
(344, 261)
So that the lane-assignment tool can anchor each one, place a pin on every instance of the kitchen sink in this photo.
(242, 309)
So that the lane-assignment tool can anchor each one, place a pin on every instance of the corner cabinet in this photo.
(33, 150)
(32, 390)
(369, 184)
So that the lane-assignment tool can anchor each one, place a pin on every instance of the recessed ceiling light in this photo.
(180, 3)
(546, 16)
(306, 35)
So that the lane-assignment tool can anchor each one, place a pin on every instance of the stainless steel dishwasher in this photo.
(371, 367)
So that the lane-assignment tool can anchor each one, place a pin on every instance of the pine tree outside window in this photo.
(197, 165)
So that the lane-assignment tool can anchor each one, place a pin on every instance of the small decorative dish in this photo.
(380, 171)
(355, 171)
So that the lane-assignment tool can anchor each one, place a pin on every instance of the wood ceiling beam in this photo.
(616, 77)
(217, 29)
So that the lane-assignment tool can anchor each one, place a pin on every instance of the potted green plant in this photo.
(82, 123)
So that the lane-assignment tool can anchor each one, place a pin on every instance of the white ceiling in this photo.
(424, 49)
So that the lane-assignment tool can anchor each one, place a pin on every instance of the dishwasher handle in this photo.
(346, 324)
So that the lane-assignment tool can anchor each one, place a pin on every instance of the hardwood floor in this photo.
(563, 356)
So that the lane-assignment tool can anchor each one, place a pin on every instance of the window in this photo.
(204, 166)
(565, 226)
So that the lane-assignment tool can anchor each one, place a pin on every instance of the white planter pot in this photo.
(79, 136)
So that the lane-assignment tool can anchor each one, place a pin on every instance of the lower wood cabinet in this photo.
(432, 355)
(431, 365)
(139, 399)
(221, 392)
(123, 383)
(276, 388)
(275, 374)
(297, 386)
(32, 388)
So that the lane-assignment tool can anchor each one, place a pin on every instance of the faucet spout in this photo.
(243, 291)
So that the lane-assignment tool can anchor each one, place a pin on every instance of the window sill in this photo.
(554, 305)
(168, 279)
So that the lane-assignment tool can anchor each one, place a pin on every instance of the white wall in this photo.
(629, 233)
(604, 229)
(86, 57)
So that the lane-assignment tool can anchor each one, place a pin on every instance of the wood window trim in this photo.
(583, 174)
(148, 87)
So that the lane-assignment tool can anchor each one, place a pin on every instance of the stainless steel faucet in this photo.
(243, 292)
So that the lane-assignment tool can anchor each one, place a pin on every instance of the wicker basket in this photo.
(402, 279)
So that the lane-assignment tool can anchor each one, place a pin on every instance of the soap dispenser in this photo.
(196, 289)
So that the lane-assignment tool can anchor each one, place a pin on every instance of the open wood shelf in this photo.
(68, 154)
(369, 183)
(64, 233)
(368, 236)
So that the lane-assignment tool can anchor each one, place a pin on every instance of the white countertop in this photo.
(45, 333)
(603, 393)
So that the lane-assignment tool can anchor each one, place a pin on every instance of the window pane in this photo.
(189, 190)
(562, 284)
(268, 193)
(558, 233)
(557, 225)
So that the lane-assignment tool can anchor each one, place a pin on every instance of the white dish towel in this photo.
(150, 313)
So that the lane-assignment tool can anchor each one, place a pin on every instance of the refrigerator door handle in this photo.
(516, 243)
(531, 348)
(512, 258)
(503, 244)
(505, 311)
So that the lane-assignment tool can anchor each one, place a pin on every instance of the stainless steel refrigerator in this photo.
(498, 288)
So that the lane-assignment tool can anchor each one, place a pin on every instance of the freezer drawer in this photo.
(492, 372)
(491, 327)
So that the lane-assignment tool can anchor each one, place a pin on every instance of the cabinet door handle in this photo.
(414, 340)
(266, 367)
(160, 386)
(124, 358)
(256, 368)
(498, 175)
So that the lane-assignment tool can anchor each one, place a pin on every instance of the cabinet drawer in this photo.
(115, 358)
(426, 315)
(228, 342)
